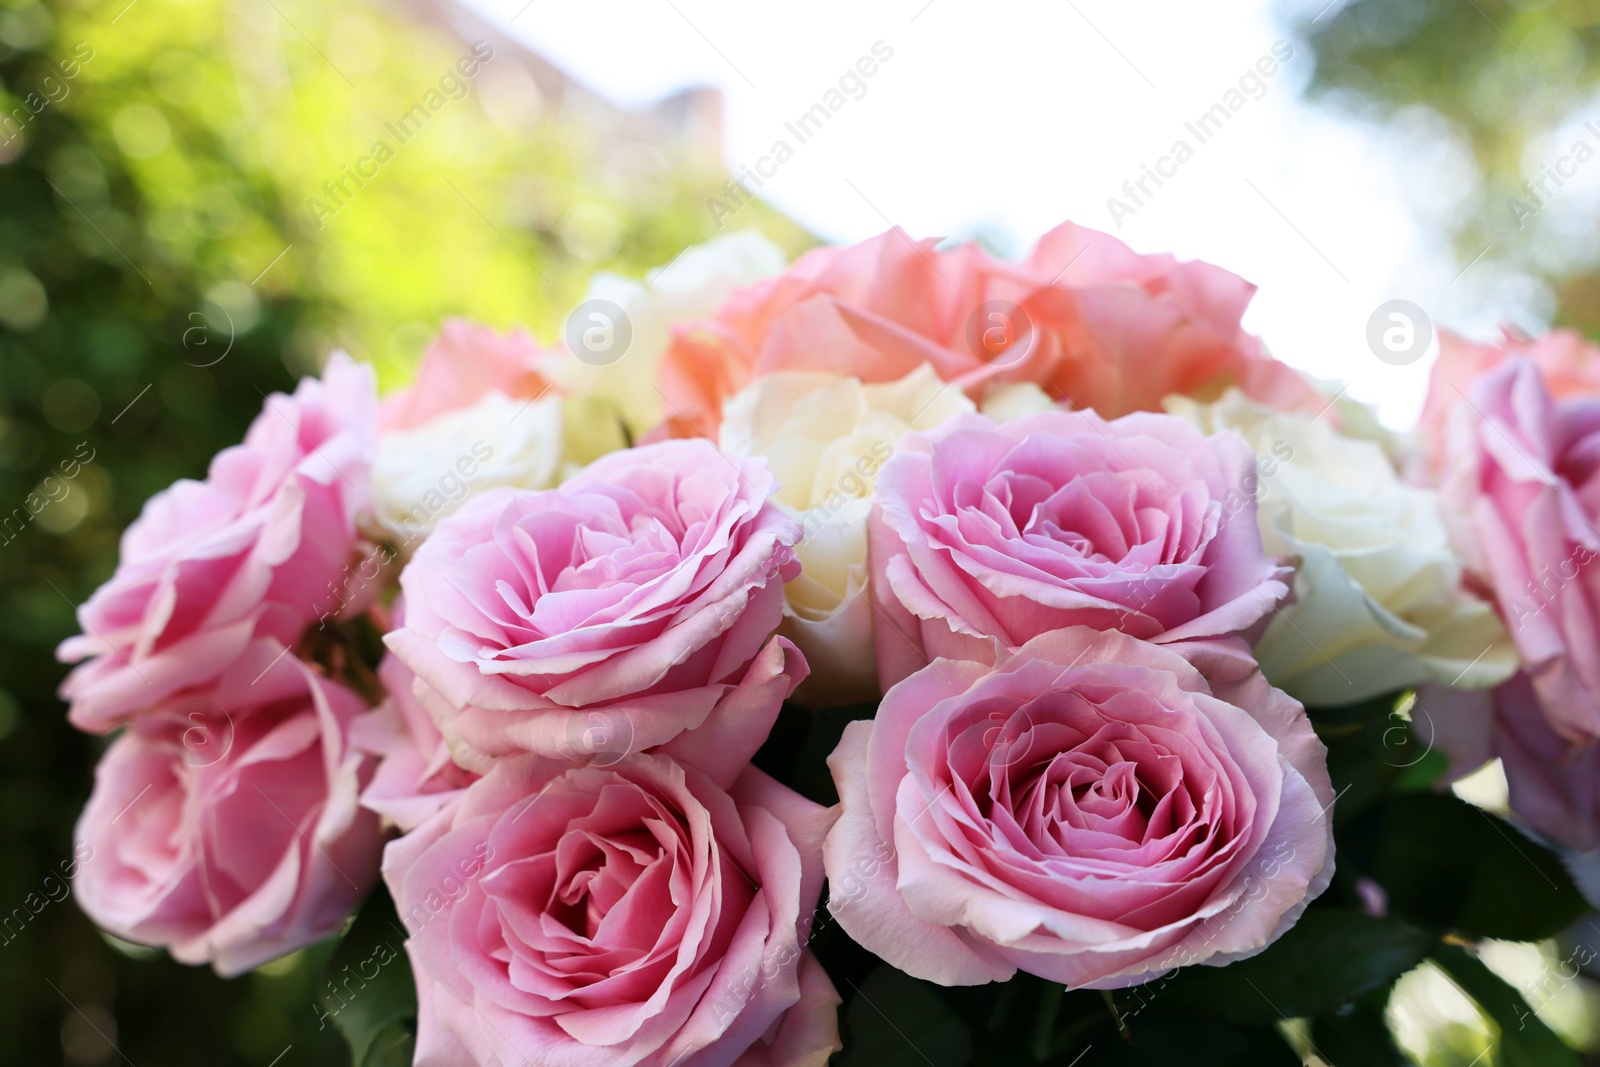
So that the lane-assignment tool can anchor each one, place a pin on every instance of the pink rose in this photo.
(226, 827)
(465, 363)
(1554, 785)
(636, 914)
(1520, 496)
(1093, 812)
(415, 776)
(629, 608)
(1083, 316)
(1569, 363)
(257, 550)
(987, 535)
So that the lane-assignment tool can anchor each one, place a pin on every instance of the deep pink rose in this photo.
(257, 550)
(629, 608)
(1094, 812)
(466, 362)
(987, 535)
(1520, 496)
(1083, 316)
(226, 827)
(606, 917)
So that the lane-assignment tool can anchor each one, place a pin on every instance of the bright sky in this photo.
(1012, 116)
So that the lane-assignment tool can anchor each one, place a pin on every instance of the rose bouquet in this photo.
(903, 654)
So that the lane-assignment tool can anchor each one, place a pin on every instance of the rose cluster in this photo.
(1074, 547)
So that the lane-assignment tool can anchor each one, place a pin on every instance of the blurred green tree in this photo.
(1507, 87)
(163, 265)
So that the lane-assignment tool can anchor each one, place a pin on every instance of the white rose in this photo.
(1379, 604)
(424, 473)
(1005, 401)
(825, 438)
(692, 286)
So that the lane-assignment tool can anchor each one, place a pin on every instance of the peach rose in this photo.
(1083, 315)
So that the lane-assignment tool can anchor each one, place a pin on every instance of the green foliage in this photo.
(896, 1021)
(1326, 961)
(1509, 82)
(368, 989)
(159, 274)
(1450, 866)
(1524, 1040)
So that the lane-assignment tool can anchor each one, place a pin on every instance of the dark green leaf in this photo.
(1358, 1037)
(1375, 751)
(367, 989)
(893, 1020)
(1525, 1041)
(1178, 1039)
(796, 753)
(1449, 865)
(1329, 958)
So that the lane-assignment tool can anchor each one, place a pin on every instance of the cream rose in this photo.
(1379, 603)
(690, 287)
(427, 472)
(825, 438)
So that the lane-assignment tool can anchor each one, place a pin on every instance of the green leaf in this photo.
(1358, 1037)
(1449, 865)
(796, 753)
(1331, 957)
(1177, 1039)
(367, 989)
(1375, 751)
(893, 1020)
(1525, 1041)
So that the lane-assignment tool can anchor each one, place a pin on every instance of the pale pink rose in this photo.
(986, 535)
(629, 608)
(260, 549)
(1553, 784)
(226, 827)
(636, 914)
(1083, 316)
(1569, 363)
(1094, 812)
(1520, 496)
(467, 362)
(415, 776)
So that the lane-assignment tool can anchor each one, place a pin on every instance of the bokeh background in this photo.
(169, 254)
